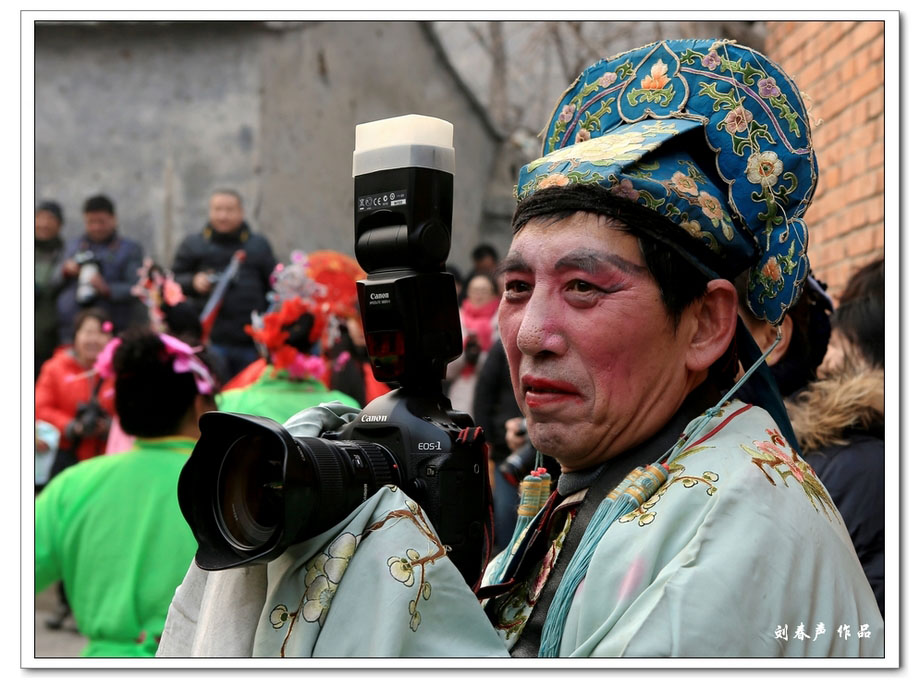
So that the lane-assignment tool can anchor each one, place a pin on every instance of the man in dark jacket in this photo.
(99, 269)
(202, 257)
(49, 247)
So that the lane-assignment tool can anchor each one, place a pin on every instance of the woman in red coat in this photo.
(66, 384)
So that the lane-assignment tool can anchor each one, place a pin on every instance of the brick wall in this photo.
(840, 66)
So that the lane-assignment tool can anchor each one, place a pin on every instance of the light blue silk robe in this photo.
(741, 553)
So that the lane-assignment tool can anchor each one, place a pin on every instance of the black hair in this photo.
(99, 203)
(151, 399)
(679, 282)
(299, 333)
(860, 315)
(182, 321)
(96, 312)
(483, 250)
(225, 191)
(52, 207)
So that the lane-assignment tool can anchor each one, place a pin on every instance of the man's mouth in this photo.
(542, 391)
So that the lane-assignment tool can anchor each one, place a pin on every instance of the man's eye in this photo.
(582, 286)
(516, 286)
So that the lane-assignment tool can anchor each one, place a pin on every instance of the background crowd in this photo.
(128, 355)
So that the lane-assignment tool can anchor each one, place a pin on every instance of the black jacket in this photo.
(493, 400)
(212, 251)
(854, 475)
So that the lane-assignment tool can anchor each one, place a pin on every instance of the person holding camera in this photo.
(111, 529)
(71, 397)
(99, 269)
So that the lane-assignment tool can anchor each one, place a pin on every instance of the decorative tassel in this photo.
(535, 490)
(546, 485)
(638, 486)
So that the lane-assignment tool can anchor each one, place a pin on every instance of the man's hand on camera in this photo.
(315, 421)
(99, 283)
(102, 426)
(73, 430)
(70, 269)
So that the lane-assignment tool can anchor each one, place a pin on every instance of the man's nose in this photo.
(541, 329)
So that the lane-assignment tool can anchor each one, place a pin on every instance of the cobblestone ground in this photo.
(54, 643)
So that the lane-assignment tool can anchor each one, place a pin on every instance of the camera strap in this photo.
(614, 471)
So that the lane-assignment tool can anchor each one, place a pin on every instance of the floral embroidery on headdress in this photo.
(709, 134)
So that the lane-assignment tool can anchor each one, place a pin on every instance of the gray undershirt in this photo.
(571, 482)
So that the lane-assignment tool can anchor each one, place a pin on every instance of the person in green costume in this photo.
(290, 377)
(111, 529)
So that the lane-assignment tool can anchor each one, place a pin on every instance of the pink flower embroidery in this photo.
(567, 112)
(771, 270)
(767, 88)
(626, 190)
(582, 135)
(711, 207)
(712, 60)
(738, 119)
(684, 183)
(554, 180)
(658, 78)
(776, 452)
(607, 79)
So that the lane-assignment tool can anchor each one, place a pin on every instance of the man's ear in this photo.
(713, 326)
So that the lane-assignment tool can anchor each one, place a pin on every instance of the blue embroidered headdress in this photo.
(711, 135)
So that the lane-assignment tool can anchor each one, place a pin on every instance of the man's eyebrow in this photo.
(591, 261)
(512, 263)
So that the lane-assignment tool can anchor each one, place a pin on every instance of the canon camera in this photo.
(250, 488)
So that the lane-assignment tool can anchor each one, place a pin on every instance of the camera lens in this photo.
(249, 500)
(250, 489)
(346, 474)
(518, 465)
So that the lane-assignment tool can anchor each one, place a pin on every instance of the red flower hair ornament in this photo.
(321, 284)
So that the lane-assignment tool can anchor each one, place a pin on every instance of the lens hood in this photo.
(212, 501)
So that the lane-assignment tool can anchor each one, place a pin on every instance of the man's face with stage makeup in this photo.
(596, 364)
